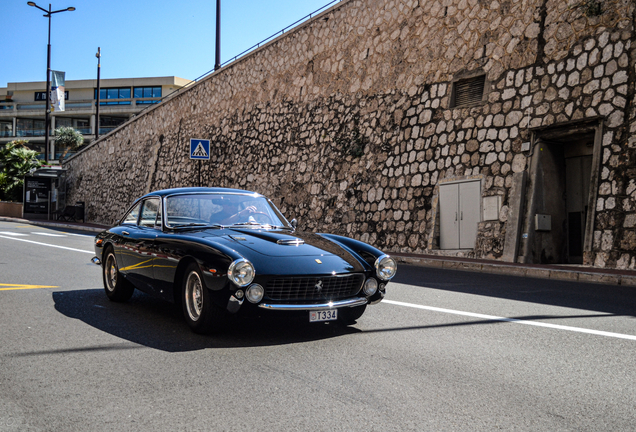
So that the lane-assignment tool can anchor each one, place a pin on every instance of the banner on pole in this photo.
(57, 91)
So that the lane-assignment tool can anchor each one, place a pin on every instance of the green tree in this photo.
(16, 161)
(68, 138)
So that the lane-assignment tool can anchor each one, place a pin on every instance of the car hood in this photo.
(299, 246)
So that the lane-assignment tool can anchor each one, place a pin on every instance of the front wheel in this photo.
(201, 313)
(117, 288)
(349, 315)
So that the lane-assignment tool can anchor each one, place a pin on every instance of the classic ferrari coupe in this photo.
(211, 249)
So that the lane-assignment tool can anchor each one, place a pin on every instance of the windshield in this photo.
(222, 209)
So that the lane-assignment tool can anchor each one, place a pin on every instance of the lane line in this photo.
(513, 320)
(11, 287)
(46, 244)
(10, 233)
(48, 234)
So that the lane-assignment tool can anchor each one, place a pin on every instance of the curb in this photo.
(50, 224)
(597, 277)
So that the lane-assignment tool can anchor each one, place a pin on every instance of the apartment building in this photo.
(22, 107)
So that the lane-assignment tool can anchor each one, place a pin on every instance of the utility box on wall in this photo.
(542, 222)
(491, 205)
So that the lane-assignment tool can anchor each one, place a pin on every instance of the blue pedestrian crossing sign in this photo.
(199, 149)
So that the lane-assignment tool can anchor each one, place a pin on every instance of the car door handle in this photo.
(125, 233)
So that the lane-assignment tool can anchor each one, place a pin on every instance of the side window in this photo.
(132, 216)
(149, 213)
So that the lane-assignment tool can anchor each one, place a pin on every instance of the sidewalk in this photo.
(573, 273)
(55, 224)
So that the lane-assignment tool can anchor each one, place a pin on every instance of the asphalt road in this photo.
(446, 351)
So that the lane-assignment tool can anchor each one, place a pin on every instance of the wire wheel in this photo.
(194, 296)
(117, 288)
(110, 272)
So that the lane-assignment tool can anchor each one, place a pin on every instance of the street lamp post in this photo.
(99, 57)
(47, 111)
(217, 56)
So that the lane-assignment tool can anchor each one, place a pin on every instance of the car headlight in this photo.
(241, 272)
(385, 267)
(370, 287)
(255, 293)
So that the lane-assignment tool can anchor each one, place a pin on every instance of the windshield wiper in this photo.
(191, 224)
(250, 223)
(268, 226)
(283, 227)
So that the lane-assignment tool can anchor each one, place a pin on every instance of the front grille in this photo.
(314, 287)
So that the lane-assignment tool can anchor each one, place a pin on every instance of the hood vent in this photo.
(291, 242)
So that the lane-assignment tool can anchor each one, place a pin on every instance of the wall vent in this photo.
(468, 91)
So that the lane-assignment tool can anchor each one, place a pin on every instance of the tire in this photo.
(116, 287)
(201, 313)
(349, 315)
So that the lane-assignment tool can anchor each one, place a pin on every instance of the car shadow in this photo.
(611, 299)
(157, 324)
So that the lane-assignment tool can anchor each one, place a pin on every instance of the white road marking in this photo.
(46, 244)
(15, 234)
(513, 320)
(81, 235)
(48, 234)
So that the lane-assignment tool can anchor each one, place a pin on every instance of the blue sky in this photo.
(138, 38)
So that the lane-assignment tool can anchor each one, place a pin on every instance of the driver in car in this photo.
(230, 213)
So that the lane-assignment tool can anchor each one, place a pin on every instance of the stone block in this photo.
(600, 278)
(628, 281)
(564, 275)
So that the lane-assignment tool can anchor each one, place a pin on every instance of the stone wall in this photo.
(346, 121)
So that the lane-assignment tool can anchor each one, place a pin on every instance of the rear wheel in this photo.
(117, 288)
(201, 313)
(349, 315)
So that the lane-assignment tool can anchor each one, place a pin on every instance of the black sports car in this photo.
(210, 249)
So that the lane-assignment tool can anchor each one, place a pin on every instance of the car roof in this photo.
(189, 190)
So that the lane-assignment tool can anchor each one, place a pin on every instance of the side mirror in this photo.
(294, 223)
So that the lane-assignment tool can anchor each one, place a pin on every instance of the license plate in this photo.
(323, 315)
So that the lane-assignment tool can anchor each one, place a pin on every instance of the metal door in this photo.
(469, 213)
(460, 212)
(448, 216)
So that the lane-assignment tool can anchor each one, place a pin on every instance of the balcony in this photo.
(86, 106)
(29, 133)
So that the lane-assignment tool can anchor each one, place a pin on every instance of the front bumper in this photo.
(352, 302)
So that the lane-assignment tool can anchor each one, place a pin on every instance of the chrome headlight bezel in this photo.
(385, 267)
(255, 293)
(241, 272)
(370, 287)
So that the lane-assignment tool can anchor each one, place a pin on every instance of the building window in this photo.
(468, 91)
(41, 96)
(79, 124)
(107, 124)
(147, 92)
(29, 127)
(6, 128)
(110, 96)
